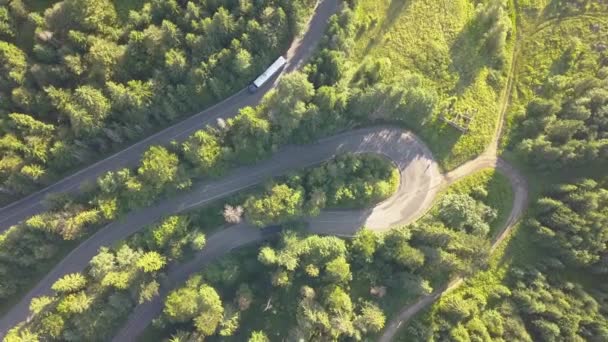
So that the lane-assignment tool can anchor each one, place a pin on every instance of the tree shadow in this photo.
(467, 54)
(394, 11)
(565, 8)
(481, 43)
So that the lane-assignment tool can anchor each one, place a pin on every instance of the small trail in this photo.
(413, 198)
(520, 203)
(489, 158)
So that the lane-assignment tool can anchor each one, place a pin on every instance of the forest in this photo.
(302, 286)
(81, 79)
(92, 304)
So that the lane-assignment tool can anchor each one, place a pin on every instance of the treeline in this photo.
(79, 81)
(294, 112)
(91, 305)
(559, 295)
(327, 288)
(31, 246)
(533, 304)
(297, 111)
(222, 301)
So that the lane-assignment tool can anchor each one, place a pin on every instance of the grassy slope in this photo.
(435, 39)
(545, 38)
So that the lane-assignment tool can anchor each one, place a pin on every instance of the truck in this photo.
(267, 75)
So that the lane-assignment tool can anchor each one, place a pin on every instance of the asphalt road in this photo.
(420, 176)
(420, 182)
(299, 52)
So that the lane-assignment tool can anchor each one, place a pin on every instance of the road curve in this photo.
(299, 52)
(520, 202)
(420, 176)
(420, 182)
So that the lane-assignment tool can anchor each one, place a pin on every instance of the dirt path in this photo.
(411, 156)
(520, 203)
(487, 159)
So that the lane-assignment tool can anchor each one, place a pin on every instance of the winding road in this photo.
(299, 52)
(420, 176)
(421, 180)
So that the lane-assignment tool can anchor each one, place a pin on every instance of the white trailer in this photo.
(271, 71)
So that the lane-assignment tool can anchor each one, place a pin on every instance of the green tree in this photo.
(74, 303)
(267, 256)
(258, 336)
(70, 283)
(151, 262)
(131, 99)
(573, 218)
(103, 58)
(30, 126)
(249, 135)
(462, 212)
(280, 204)
(338, 270)
(203, 149)
(85, 15)
(170, 234)
(13, 66)
(242, 62)
(211, 311)
(7, 24)
(182, 305)
(371, 319)
(158, 168)
(364, 245)
(289, 103)
(197, 303)
(86, 107)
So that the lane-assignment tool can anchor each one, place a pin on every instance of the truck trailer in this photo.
(271, 71)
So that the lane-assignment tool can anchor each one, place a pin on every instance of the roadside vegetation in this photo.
(292, 113)
(302, 286)
(303, 108)
(81, 78)
(440, 68)
(91, 305)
